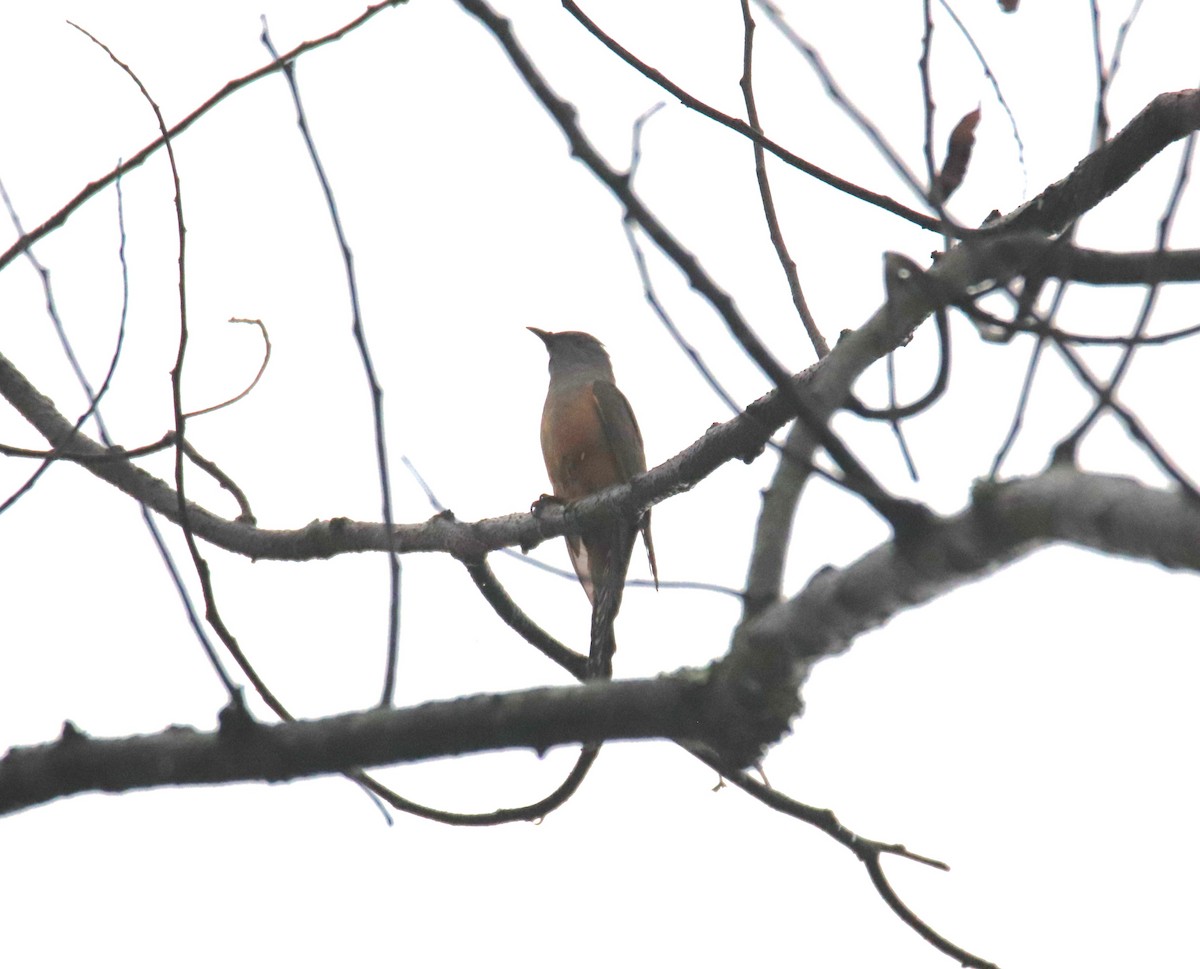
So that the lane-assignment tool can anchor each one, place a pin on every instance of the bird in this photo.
(591, 441)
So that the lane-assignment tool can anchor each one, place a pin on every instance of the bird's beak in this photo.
(542, 335)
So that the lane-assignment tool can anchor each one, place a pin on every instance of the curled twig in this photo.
(257, 377)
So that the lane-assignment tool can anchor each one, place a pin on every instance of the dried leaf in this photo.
(958, 155)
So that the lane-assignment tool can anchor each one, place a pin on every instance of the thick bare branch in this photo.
(1121, 268)
(772, 656)
(244, 750)
(744, 703)
(1168, 118)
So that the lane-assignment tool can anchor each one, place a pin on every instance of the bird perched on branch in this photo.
(591, 441)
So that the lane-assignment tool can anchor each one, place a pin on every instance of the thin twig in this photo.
(786, 262)
(884, 202)
(1023, 398)
(364, 352)
(1095, 339)
(940, 383)
(66, 454)
(94, 398)
(213, 470)
(212, 613)
(848, 107)
(1165, 224)
(1114, 65)
(1100, 130)
(988, 73)
(648, 288)
(894, 419)
(139, 158)
(1133, 426)
(257, 377)
(929, 111)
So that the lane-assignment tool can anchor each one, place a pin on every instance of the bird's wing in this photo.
(625, 441)
(620, 428)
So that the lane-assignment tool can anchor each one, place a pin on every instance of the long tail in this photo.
(609, 582)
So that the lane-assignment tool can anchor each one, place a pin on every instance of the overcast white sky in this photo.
(1033, 730)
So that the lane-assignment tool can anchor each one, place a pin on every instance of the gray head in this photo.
(574, 352)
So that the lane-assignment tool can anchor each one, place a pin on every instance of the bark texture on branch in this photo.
(737, 707)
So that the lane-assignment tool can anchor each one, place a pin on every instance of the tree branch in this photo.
(773, 654)
(740, 705)
(139, 158)
(885, 202)
(743, 437)
(244, 750)
(1169, 117)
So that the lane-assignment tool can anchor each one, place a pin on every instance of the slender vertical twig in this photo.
(94, 398)
(786, 262)
(364, 351)
(999, 92)
(1100, 130)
